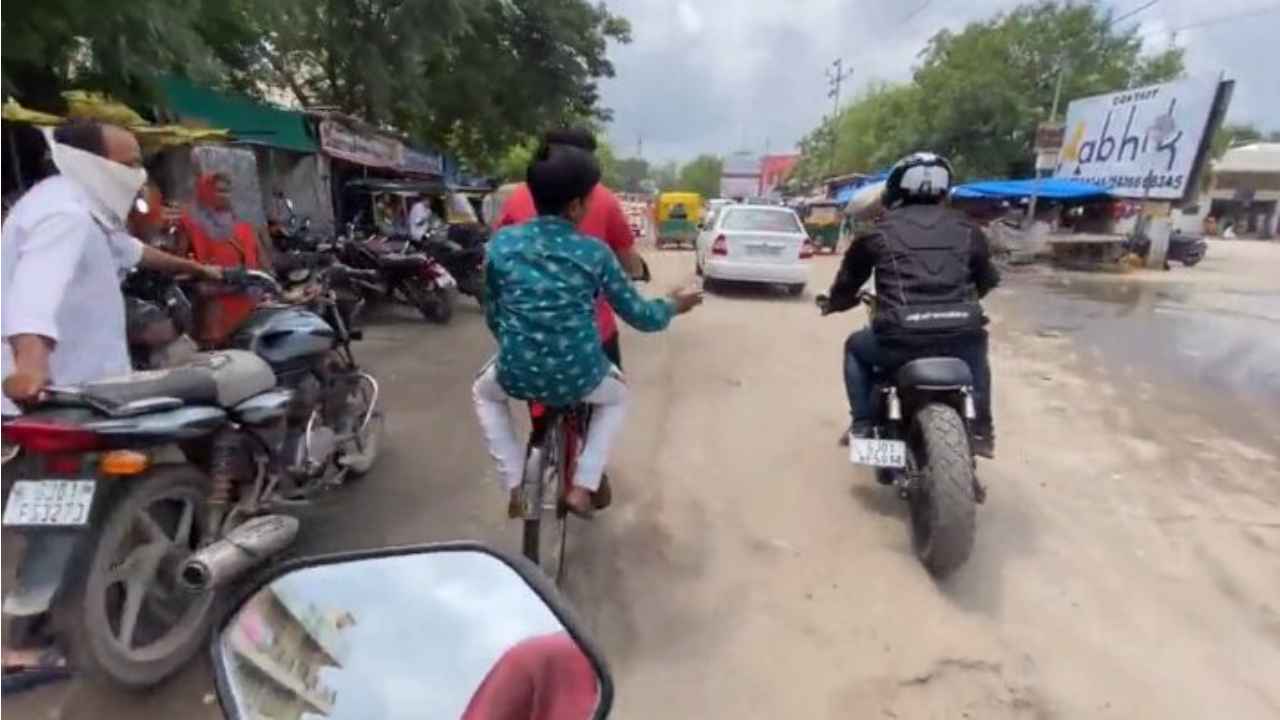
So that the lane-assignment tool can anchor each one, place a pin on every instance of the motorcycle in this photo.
(922, 446)
(462, 257)
(368, 633)
(141, 498)
(413, 277)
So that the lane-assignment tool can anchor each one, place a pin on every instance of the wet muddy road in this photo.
(1127, 562)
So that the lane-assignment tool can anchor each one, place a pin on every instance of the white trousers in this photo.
(493, 408)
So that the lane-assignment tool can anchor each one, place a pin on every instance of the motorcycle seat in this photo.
(402, 262)
(223, 378)
(935, 372)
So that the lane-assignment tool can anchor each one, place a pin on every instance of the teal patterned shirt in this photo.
(543, 277)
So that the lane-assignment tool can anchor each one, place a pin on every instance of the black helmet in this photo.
(921, 177)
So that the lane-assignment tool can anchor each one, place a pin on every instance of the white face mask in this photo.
(112, 185)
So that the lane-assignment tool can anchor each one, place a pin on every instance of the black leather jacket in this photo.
(931, 264)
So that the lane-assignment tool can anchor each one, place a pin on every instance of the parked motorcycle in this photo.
(403, 273)
(464, 259)
(141, 497)
(922, 446)
(369, 633)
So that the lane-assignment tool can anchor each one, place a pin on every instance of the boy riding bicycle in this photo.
(543, 278)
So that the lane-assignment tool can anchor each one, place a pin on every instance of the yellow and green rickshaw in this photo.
(823, 220)
(676, 216)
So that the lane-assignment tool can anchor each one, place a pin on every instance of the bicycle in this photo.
(551, 459)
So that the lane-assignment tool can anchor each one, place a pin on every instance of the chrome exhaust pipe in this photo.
(243, 549)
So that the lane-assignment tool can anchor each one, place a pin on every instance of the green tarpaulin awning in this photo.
(247, 120)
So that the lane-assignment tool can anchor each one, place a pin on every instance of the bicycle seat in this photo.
(224, 378)
(937, 372)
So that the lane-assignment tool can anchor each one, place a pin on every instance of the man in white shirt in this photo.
(65, 249)
(419, 218)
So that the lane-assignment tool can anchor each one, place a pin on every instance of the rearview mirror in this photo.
(448, 631)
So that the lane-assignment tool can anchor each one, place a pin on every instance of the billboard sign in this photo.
(1138, 143)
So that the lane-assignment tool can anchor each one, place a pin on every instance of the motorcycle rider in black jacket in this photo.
(931, 265)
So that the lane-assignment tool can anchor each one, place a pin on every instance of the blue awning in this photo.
(844, 193)
(1049, 188)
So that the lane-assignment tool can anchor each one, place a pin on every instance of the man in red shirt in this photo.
(604, 221)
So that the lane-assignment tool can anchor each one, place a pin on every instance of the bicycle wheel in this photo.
(545, 521)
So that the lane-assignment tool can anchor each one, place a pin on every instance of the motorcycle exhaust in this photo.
(243, 549)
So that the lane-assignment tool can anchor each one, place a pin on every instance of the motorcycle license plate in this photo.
(878, 453)
(49, 502)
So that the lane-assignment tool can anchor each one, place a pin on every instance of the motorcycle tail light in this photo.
(123, 462)
(46, 438)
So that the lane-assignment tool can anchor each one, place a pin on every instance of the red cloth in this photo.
(221, 315)
(604, 221)
(546, 677)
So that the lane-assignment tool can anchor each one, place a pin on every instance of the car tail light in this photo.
(720, 246)
(47, 438)
(806, 250)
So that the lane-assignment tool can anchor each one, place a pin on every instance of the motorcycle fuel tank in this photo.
(282, 335)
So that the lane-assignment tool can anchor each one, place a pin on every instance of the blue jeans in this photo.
(866, 360)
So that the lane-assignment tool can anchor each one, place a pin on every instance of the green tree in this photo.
(665, 176)
(110, 45)
(632, 173)
(702, 175)
(978, 94)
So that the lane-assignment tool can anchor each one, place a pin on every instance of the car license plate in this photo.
(765, 250)
(879, 453)
(49, 502)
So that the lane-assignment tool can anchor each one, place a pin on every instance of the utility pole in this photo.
(836, 75)
(1035, 185)
(639, 146)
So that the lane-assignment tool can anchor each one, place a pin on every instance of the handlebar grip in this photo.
(235, 276)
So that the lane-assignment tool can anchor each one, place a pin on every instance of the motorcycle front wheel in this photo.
(434, 303)
(942, 503)
(125, 618)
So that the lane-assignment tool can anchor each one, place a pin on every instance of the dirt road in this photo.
(1127, 561)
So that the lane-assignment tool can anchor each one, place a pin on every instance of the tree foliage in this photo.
(473, 76)
(1228, 136)
(701, 175)
(977, 94)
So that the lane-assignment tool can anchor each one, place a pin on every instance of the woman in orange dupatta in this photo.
(217, 237)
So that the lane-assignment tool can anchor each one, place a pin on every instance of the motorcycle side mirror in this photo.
(451, 630)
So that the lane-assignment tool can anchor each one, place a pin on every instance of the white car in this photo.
(756, 244)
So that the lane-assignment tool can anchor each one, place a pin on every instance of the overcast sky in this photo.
(721, 75)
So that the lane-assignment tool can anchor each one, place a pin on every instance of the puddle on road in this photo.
(1203, 346)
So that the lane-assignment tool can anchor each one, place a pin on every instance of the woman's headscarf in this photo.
(216, 222)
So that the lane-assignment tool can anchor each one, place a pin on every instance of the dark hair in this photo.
(578, 137)
(84, 135)
(560, 174)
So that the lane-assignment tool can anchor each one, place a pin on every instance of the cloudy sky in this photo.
(721, 75)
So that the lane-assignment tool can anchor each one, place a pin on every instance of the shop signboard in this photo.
(422, 163)
(346, 143)
(1138, 143)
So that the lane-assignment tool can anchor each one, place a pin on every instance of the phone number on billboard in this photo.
(1137, 182)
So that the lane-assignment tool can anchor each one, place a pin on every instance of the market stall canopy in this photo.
(1048, 188)
(248, 121)
(89, 106)
(397, 187)
(844, 192)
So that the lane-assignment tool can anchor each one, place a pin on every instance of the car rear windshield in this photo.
(752, 220)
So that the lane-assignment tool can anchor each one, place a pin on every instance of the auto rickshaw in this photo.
(823, 221)
(676, 216)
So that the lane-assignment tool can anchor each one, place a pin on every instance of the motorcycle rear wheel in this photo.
(942, 505)
(130, 570)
